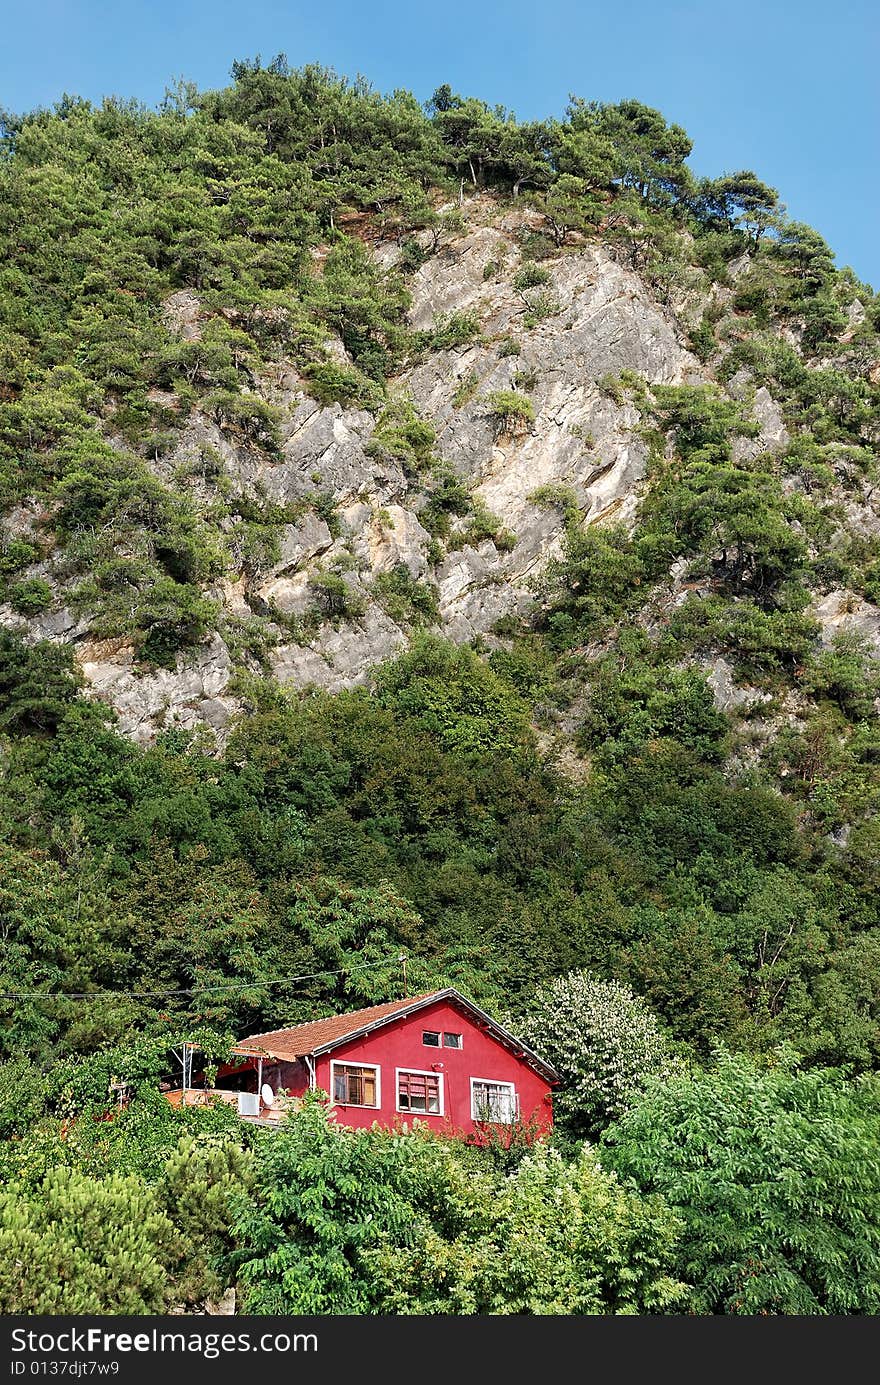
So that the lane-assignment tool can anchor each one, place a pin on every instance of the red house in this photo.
(435, 1057)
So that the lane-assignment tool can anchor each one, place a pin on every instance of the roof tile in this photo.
(290, 1044)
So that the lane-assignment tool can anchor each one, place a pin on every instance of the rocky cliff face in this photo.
(590, 321)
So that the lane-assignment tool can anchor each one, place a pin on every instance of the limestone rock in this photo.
(855, 313)
(339, 658)
(843, 611)
(233, 595)
(62, 626)
(291, 595)
(190, 695)
(475, 592)
(181, 312)
(323, 449)
(203, 450)
(306, 539)
(773, 435)
(11, 620)
(862, 515)
(727, 694)
(21, 521)
(601, 320)
(452, 280)
(391, 536)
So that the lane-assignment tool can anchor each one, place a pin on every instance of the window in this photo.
(452, 1041)
(420, 1092)
(355, 1084)
(430, 1038)
(493, 1101)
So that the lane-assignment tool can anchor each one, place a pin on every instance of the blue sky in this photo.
(787, 87)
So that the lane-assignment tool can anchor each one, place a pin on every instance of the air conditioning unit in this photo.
(248, 1104)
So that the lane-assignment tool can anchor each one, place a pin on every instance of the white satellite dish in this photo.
(267, 1094)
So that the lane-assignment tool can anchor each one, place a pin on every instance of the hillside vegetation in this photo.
(467, 704)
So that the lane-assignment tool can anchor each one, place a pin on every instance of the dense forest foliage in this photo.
(728, 888)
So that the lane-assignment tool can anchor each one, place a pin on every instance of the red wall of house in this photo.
(399, 1045)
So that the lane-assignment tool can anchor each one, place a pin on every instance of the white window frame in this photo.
(495, 1082)
(359, 1105)
(419, 1072)
(438, 1044)
(458, 1034)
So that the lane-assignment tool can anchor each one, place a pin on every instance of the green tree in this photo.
(451, 693)
(37, 684)
(775, 1174)
(200, 1191)
(552, 1238)
(81, 1245)
(650, 152)
(740, 200)
(632, 704)
(344, 1221)
(320, 1197)
(568, 207)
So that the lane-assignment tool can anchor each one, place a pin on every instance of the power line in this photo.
(193, 990)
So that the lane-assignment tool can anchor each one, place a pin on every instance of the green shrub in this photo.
(633, 705)
(513, 413)
(247, 414)
(541, 306)
(556, 496)
(16, 554)
(846, 674)
(335, 598)
(458, 329)
(465, 390)
(452, 694)
(774, 1172)
(759, 643)
(447, 497)
(331, 383)
(610, 384)
(82, 1245)
(412, 256)
(601, 576)
(406, 600)
(482, 524)
(702, 339)
(30, 596)
(531, 276)
(525, 380)
(402, 436)
(509, 346)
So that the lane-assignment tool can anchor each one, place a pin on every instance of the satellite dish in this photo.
(267, 1095)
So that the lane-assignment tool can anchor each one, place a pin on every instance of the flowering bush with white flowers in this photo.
(604, 1042)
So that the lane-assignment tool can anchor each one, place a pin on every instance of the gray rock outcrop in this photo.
(191, 695)
(843, 612)
(562, 344)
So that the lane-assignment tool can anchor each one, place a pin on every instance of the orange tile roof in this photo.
(290, 1044)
